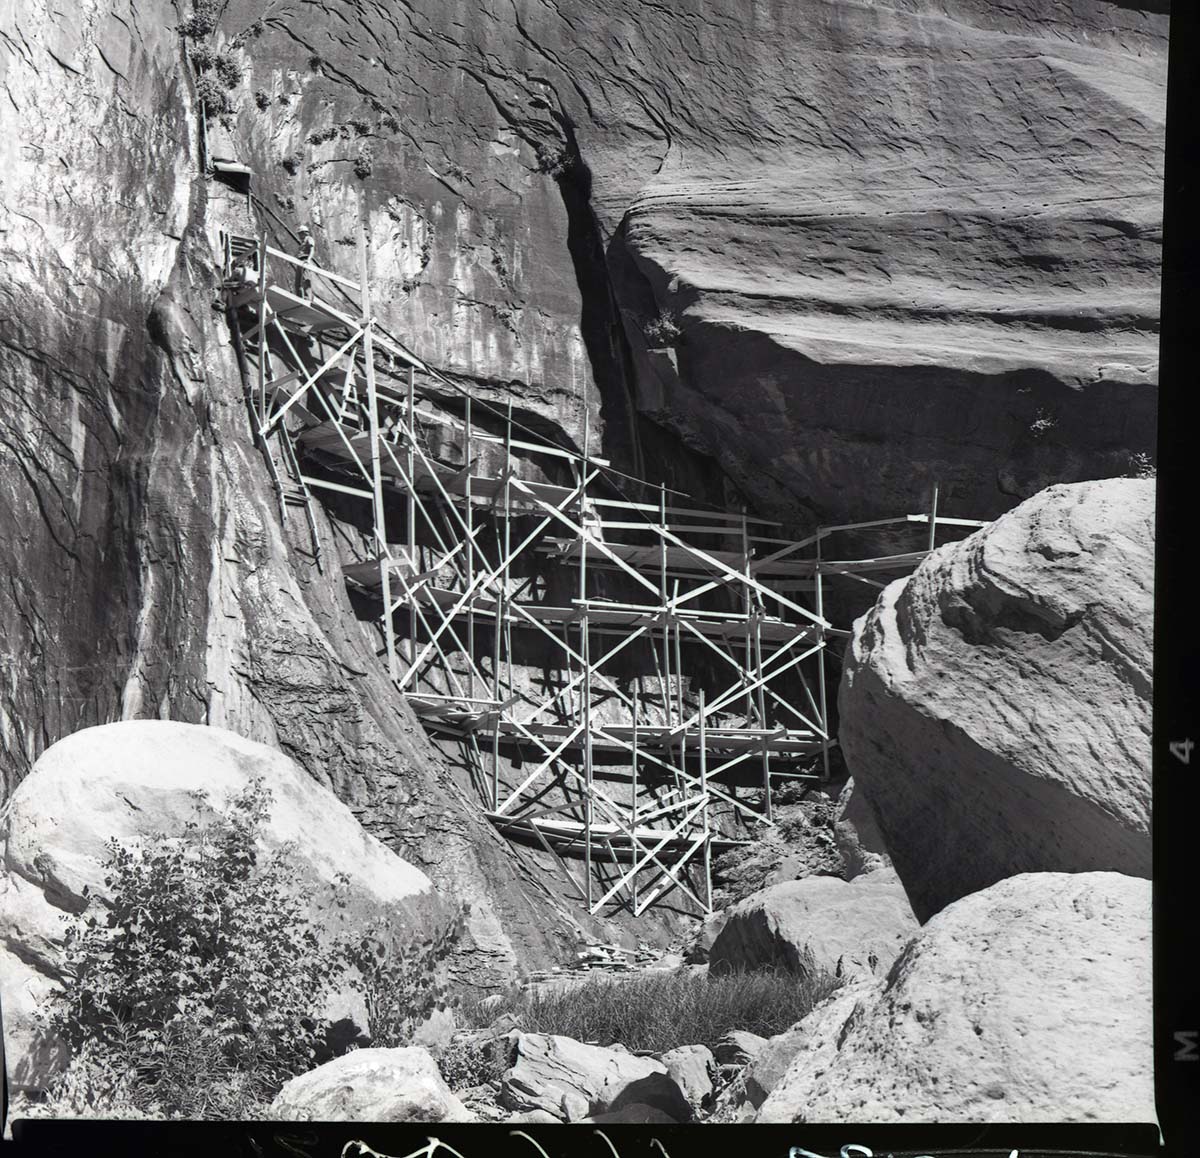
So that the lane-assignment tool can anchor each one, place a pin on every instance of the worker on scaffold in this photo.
(305, 253)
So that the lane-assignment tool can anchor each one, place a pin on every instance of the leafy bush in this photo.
(554, 160)
(659, 1011)
(201, 979)
(212, 95)
(365, 161)
(229, 70)
(467, 1063)
(401, 984)
(252, 32)
(202, 57)
(663, 330)
(201, 21)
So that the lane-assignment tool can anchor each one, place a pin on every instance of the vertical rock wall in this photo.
(898, 243)
(147, 573)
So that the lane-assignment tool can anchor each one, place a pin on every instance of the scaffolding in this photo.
(628, 674)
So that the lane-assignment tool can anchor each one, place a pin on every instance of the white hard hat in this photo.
(303, 228)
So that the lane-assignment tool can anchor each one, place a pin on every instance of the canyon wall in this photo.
(883, 245)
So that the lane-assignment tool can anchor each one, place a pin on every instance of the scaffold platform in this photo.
(627, 672)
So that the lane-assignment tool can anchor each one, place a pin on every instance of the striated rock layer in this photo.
(147, 573)
(901, 243)
(995, 706)
(1027, 1002)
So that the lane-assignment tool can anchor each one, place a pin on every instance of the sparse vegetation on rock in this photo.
(364, 163)
(662, 330)
(201, 21)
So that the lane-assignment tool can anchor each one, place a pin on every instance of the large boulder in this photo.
(700, 943)
(1029, 1001)
(856, 832)
(995, 705)
(573, 1081)
(693, 1068)
(844, 927)
(738, 1047)
(816, 1035)
(129, 780)
(371, 1085)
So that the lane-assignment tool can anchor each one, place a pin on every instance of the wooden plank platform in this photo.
(567, 837)
(311, 313)
(484, 489)
(657, 738)
(649, 557)
(622, 619)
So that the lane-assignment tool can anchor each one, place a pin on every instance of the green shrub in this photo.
(202, 57)
(555, 161)
(364, 163)
(229, 70)
(212, 95)
(201, 978)
(253, 32)
(401, 984)
(659, 1011)
(466, 1064)
(201, 20)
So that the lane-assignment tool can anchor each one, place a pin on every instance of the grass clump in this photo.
(659, 1011)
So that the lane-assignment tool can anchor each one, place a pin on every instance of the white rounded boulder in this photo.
(133, 779)
(995, 705)
(1027, 1002)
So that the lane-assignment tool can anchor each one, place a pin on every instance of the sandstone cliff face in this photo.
(995, 705)
(900, 243)
(146, 570)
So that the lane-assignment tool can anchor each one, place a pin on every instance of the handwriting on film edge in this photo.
(359, 1149)
(854, 1150)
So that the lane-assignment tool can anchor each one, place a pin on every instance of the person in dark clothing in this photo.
(305, 253)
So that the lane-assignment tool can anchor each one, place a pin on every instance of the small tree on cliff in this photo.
(201, 975)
